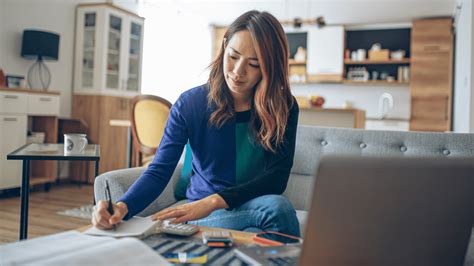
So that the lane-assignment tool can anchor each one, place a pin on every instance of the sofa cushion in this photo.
(298, 191)
(314, 142)
(302, 218)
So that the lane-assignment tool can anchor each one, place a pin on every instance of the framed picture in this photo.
(14, 81)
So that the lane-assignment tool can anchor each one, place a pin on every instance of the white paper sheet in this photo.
(74, 248)
(140, 227)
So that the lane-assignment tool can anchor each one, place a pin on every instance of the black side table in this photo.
(30, 152)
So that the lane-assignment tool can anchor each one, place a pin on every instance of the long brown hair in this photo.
(272, 99)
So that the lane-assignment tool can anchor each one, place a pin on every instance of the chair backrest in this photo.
(149, 114)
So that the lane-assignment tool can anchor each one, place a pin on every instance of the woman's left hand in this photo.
(192, 211)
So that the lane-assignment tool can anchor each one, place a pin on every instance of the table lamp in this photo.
(39, 45)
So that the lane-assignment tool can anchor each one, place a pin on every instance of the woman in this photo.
(241, 126)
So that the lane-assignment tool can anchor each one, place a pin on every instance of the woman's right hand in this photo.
(102, 219)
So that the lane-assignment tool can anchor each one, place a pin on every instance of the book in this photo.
(139, 227)
(75, 248)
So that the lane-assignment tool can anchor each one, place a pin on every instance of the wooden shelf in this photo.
(376, 83)
(292, 62)
(378, 62)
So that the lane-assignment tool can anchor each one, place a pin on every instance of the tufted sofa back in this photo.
(314, 142)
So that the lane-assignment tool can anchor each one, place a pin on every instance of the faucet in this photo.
(384, 109)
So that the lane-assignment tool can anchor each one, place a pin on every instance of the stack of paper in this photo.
(74, 248)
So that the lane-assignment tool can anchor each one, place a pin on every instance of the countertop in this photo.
(25, 90)
(334, 110)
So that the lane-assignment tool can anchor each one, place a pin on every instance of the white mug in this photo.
(75, 143)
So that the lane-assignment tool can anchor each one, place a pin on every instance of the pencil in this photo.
(110, 207)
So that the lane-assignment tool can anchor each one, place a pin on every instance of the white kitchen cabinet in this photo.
(108, 51)
(40, 104)
(13, 102)
(22, 110)
(390, 125)
(11, 139)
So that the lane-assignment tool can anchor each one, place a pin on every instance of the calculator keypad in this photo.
(179, 229)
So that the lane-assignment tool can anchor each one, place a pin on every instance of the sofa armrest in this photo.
(120, 180)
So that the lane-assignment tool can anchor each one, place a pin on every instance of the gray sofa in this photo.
(311, 144)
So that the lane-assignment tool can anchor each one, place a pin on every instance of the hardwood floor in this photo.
(42, 218)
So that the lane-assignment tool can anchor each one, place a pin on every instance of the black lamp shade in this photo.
(40, 44)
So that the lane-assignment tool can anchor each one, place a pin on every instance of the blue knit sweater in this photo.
(214, 158)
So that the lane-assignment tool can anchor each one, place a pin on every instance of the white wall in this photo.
(472, 69)
(1, 32)
(334, 11)
(471, 113)
(463, 120)
(56, 16)
(51, 15)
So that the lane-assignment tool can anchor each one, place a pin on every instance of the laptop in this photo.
(383, 211)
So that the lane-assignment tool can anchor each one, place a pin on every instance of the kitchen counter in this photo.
(332, 117)
(391, 124)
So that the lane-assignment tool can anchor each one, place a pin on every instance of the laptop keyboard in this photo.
(283, 261)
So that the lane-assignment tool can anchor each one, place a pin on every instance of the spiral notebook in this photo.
(139, 227)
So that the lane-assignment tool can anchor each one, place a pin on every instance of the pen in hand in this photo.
(110, 207)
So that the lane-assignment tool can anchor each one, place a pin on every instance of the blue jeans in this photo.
(265, 213)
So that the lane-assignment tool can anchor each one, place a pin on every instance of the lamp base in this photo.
(39, 76)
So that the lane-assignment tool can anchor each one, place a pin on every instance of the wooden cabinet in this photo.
(429, 113)
(431, 74)
(332, 117)
(23, 110)
(97, 111)
(44, 171)
(107, 73)
(432, 35)
(108, 50)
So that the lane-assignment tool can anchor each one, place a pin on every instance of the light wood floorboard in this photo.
(43, 218)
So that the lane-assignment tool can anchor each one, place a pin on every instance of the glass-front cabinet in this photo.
(134, 58)
(108, 55)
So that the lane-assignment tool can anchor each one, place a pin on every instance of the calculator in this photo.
(179, 229)
(217, 239)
